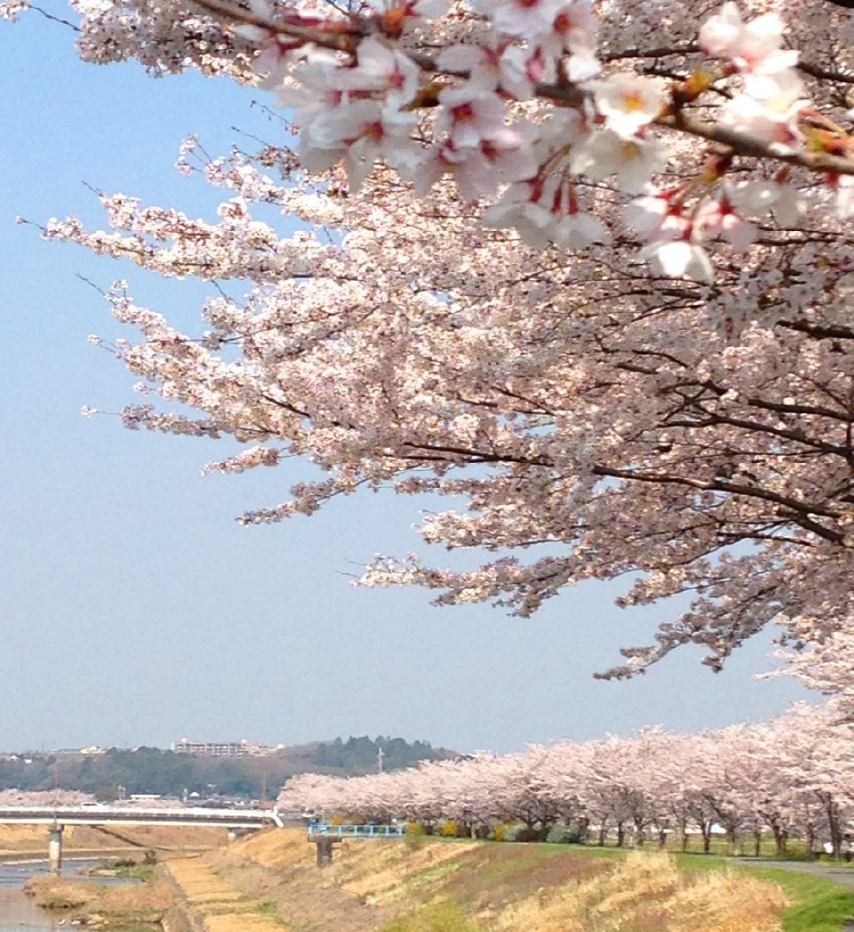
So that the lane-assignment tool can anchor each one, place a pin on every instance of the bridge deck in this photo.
(323, 830)
(100, 815)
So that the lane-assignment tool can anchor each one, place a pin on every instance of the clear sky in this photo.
(133, 608)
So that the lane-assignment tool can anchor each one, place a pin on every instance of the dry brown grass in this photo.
(503, 888)
(242, 923)
(383, 872)
(646, 893)
(83, 898)
(200, 885)
(59, 893)
(220, 906)
(276, 848)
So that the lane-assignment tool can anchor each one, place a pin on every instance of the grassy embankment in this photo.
(269, 883)
(435, 886)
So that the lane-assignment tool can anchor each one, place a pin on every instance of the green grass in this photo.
(818, 905)
(142, 872)
(438, 917)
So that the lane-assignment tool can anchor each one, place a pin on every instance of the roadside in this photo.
(841, 876)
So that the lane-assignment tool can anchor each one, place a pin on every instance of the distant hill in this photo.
(356, 756)
(120, 772)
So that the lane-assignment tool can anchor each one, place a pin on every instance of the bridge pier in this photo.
(54, 848)
(324, 849)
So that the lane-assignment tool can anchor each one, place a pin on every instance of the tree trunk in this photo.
(810, 840)
(621, 835)
(781, 839)
(683, 831)
(603, 831)
(757, 844)
(834, 828)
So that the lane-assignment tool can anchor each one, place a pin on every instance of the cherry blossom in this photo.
(790, 777)
(584, 269)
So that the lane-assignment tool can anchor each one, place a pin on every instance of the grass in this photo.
(816, 904)
(439, 917)
(451, 885)
(436, 872)
(142, 872)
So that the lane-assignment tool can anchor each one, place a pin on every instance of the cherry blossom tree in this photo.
(44, 798)
(584, 266)
(790, 777)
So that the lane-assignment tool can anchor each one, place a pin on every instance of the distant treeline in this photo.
(362, 755)
(118, 772)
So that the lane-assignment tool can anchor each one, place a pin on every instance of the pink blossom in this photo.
(751, 47)
(628, 102)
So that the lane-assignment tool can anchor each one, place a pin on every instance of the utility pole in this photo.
(380, 756)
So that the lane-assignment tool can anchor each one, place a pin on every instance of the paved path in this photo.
(844, 876)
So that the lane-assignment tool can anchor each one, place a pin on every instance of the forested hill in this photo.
(361, 755)
(118, 772)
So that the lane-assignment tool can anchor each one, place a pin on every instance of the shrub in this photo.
(415, 836)
(440, 917)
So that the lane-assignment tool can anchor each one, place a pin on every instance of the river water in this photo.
(17, 912)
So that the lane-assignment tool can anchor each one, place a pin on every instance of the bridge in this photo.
(325, 836)
(133, 815)
(322, 830)
(57, 817)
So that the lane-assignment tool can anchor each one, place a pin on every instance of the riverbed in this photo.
(18, 913)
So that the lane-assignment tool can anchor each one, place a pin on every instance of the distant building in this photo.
(221, 749)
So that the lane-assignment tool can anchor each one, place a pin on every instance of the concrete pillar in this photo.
(54, 848)
(324, 850)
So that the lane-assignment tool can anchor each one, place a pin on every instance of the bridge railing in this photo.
(324, 830)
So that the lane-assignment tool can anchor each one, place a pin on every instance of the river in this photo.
(17, 912)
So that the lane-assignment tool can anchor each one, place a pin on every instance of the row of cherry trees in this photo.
(792, 776)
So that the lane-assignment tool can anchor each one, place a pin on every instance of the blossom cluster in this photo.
(584, 417)
(525, 107)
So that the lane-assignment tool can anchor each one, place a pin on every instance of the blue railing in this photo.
(321, 829)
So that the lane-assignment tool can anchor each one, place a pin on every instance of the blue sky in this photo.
(133, 608)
